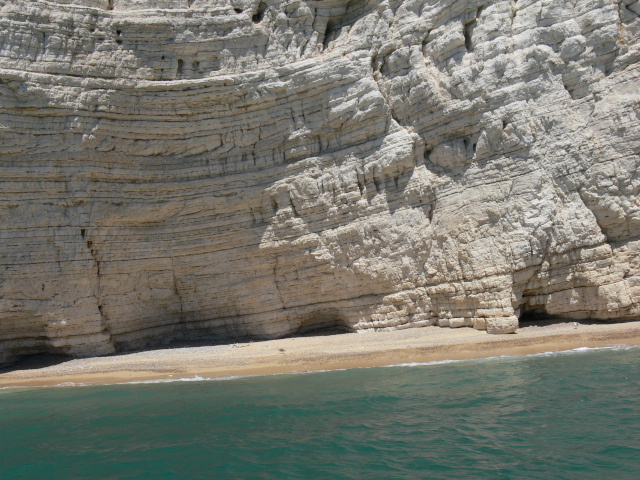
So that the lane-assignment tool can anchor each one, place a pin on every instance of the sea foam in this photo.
(516, 357)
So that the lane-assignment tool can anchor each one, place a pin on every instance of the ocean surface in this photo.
(572, 415)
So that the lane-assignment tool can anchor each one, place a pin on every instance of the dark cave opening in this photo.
(354, 10)
(35, 361)
(331, 33)
(322, 324)
(539, 318)
(468, 32)
(259, 15)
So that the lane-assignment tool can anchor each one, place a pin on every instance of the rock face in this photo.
(242, 168)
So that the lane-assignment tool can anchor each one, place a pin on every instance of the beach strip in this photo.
(317, 353)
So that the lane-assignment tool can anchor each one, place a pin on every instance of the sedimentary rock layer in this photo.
(174, 169)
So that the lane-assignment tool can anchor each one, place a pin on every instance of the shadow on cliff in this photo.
(35, 362)
(310, 329)
(532, 319)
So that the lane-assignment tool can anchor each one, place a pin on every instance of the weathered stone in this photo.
(502, 324)
(219, 168)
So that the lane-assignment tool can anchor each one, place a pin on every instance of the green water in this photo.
(574, 416)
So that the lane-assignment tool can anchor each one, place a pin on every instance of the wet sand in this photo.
(312, 353)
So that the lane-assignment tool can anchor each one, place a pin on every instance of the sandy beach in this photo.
(312, 353)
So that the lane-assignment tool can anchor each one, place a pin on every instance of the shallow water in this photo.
(572, 415)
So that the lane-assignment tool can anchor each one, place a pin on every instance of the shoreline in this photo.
(321, 353)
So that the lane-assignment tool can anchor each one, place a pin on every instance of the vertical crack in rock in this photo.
(277, 284)
(176, 289)
(469, 28)
(377, 64)
(97, 293)
(468, 31)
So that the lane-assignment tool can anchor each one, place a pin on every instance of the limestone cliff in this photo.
(255, 168)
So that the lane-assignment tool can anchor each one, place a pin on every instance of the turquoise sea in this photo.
(572, 415)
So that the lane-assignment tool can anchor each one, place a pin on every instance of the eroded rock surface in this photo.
(239, 168)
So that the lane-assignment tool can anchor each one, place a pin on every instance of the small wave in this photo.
(198, 378)
(583, 350)
(303, 372)
(422, 364)
(514, 357)
(195, 378)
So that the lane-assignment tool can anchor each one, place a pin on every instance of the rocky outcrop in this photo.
(241, 168)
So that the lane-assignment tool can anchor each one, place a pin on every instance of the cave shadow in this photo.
(44, 360)
(323, 332)
(318, 324)
(534, 319)
(35, 362)
(323, 324)
(335, 326)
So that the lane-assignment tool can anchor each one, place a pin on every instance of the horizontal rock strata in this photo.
(177, 169)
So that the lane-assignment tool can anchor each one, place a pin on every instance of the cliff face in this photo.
(218, 168)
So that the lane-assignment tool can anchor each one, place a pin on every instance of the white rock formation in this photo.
(255, 168)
